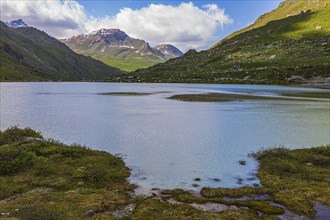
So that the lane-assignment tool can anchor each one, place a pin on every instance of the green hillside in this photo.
(28, 54)
(300, 27)
(289, 45)
(125, 61)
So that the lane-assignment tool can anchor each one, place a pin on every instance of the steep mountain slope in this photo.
(28, 54)
(169, 51)
(115, 48)
(290, 8)
(290, 45)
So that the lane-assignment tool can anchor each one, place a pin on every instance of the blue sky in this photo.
(185, 24)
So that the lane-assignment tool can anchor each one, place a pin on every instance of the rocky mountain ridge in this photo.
(116, 48)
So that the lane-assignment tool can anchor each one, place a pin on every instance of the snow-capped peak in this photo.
(16, 24)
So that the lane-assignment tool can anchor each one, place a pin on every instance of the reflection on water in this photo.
(168, 143)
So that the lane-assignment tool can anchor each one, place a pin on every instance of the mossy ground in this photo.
(321, 95)
(226, 97)
(45, 179)
(67, 180)
(126, 93)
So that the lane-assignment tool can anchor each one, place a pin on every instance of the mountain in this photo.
(115, 48)
(16, 23)
(289, 45)
(28, 54)
(169, 51)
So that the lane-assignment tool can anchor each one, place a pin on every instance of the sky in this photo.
(184, 24)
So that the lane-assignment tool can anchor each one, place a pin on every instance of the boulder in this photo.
(89, 213)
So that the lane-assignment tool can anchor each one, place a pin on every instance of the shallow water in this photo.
(168, 143)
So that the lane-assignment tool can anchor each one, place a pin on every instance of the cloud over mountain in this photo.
(185, 25)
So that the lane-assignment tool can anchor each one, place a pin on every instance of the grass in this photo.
(293, 178)
(128, 64)
(321, 95)
(74, 179)
(45, 179)
(223, 97)
(126, 93)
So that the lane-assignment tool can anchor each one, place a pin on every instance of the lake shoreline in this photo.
(312, 85)
(94, 190)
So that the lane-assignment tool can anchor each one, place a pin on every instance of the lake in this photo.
(168, 143)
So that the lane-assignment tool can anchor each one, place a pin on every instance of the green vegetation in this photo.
(321, 95)
(28, 54)
(158, 209)
(45, 179)
(127, 63)
(296, 27)
(225, 97)
(294, 178)
(40, 178)
(284, 47)
(126, 93)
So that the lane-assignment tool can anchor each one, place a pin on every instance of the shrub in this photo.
(14, 133)
(13, 160)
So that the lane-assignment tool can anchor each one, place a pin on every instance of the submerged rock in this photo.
(242, 162)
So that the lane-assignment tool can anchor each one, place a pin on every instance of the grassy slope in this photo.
(291, 8)
(127, 64)
(28, 54)
(44, 179)
(277, 49)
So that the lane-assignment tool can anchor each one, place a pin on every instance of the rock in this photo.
(33, 139)
(237, 66)
(89, 213)
(197, 179)
(318, 28)
(125, 212)
(272, 57)
(195, 185)
(216, 179)
(242, 162)
(269, 32)
(247, 78)
(239, 181)
(294, 78)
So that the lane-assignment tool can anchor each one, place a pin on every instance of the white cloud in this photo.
(58, 18)
(185, 26)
